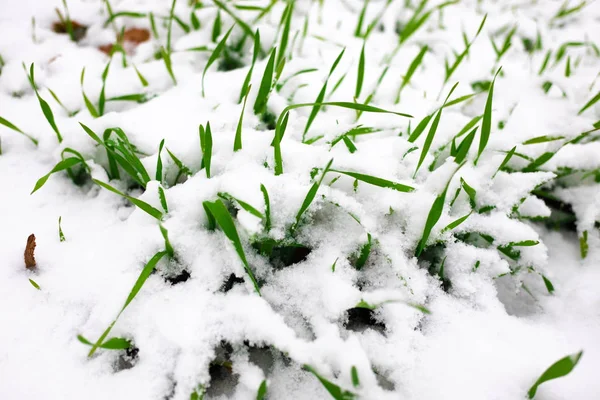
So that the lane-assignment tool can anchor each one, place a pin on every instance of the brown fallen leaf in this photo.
(79, 30)
(29, 250)
(136, 35)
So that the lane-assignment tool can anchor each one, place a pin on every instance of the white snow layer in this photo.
(491, 332)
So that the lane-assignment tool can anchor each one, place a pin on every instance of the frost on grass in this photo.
(300, 199)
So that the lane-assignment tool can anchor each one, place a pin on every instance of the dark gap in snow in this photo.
(222, 379)
(230, 282)
(181, 277)
(268, 121)
(262, 357)
(231, 60)
(282, 254)
(562, 216)
(127, 359)
(383, 381)
(360, 319)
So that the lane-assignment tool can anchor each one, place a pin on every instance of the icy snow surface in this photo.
(493, 328)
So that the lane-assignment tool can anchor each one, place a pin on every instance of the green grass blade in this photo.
(60, 166)
(590, 103)
(215, 55)
(310, 196)
(89, 105)
(245, 206)
(142, 205)
(361, 70)
(321, 96)
(245, 27)
(159, 165)
(12, 126)
(206, 146)
(143, 80)
(561, 368)
(237, 143)
(267, 207)
(221, 216)
(373, 180)
(486, 124)
(255, 53)
(432, 131)
(506, 160)
(146, 271)
(266, 84)
(411, 71)
(456, 223)
(217, 26)
(420, 128)
(261, 394)
(287, 20)
(166, 56)
(463, 148)
(102, 97)
(334, 390)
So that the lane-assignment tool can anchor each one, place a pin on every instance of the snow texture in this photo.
(493, 326)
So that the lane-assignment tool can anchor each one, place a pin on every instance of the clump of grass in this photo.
(459, 57)
(266, 85)
(506, 45)
(64, 164)
(142, 205)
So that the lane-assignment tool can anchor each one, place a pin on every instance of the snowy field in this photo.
(385, 199)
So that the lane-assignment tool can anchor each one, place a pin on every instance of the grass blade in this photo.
(166, 56)
(411, 70)
(255, 53)
(361, 70)
(137, 202)
(486, 124)
(237, 144)
(215, 55)
(590, 103)
(221, 216)
(463, 148)
(506, 160)
(561, 368)
(206, 146)
(373, 180)
(159, 165)
(10, 125)
(310, 196)
(267, 207)
(266, 84)
(60, 166)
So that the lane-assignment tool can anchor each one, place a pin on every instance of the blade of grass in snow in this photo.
(46, 110)
(111, 344)
(361, 69)
(102, 97)
(194, 21)
(283, 118)
(166, 56)
(237, 143)
(245, 206)
(486, 124)
(411, 70)
(12, 126)
(565, 11)
(363, 254)
(463, 149)
(310, 196)
(373, 180)
(148, 268)
(60, 166)
(432, 131)
(266, 84)
(168, 247)
(220, 215)
(456, 223)
(245, 27)
(182, 168)
(163, 199)
(361, 19)
(542, 139)
(280, 85)
(561, 368)
(34, 284)
(287, 19)
(590, 103)
(159, 165)
(317, 104)
(90, 106)
(256, 52)
(206, 146)
(215, 55)
(267, 207)
(170, 26)
(334, 390)
(216, 28)
(61, 235)
(55, 97)
(142, 205)
(500, 51)
(583, 244)
(505, 161)
(450, 69)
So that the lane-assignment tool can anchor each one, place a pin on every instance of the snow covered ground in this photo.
(435, 253)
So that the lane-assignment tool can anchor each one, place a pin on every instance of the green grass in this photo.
(46, 110)
(218, 214)
(486, 123)
(561, 368)
(12, 126)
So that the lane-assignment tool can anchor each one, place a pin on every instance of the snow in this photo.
(489, 335)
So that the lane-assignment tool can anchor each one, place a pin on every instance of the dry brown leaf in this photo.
(29, 250)
(136, 35)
